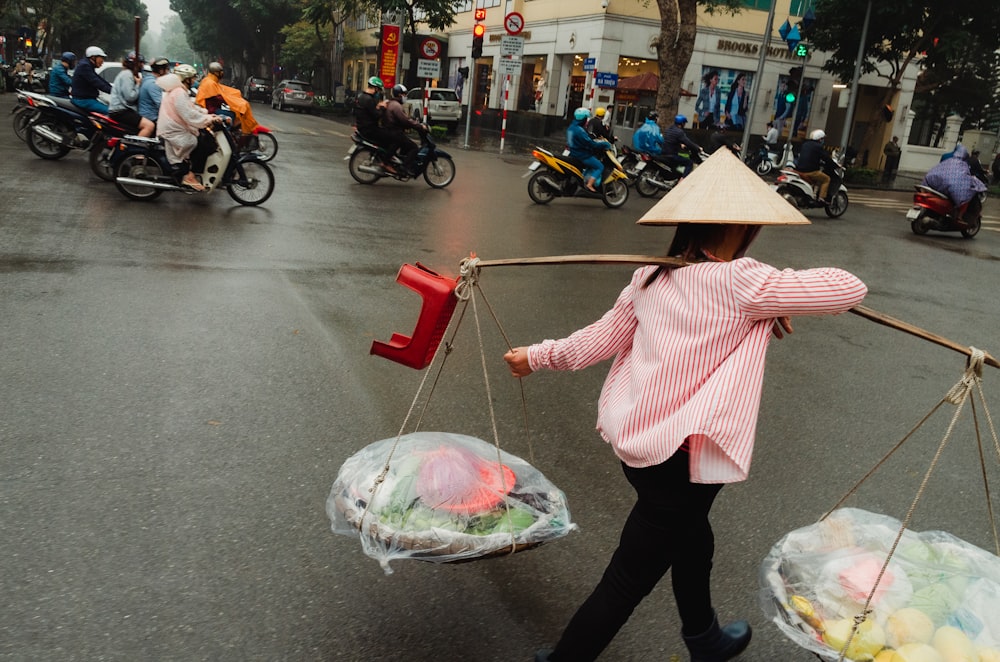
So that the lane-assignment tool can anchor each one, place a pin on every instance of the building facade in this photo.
(604, 53)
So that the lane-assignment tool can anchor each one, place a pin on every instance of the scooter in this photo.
(763, 161)
(58, 127)
(262, 141)
(22, 114)
(103, 146)
(142, 171)
(367, 163)
(656, 177)
(933, 210)
(792, 187)
(561, 176)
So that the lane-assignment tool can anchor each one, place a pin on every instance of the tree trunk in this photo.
(678, 25)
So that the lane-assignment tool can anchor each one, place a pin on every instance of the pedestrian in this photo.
(892, 153)
(706, 107)
(679, 405)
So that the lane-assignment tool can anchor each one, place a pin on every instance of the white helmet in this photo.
(185, 71)
(818, 134)
(95, 51)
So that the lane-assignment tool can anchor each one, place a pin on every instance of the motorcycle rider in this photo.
(87, 84)
(674, 140)
(648, 138)
(150, 93)
(212, 94)
(812, 158)
(954, 178)
(597, 128)
(180, 123)
(396, 122)
(368, 113)
(584, 148)
(124, 104)
(59, 78)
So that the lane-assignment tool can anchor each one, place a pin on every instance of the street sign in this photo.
(428, 68)
(430, 48)
(510, 45)
(509, 66)
(606, 79)
(513, 23)
(590, 64)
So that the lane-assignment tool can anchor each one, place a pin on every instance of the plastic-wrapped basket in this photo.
(445, 498)
(938, 599)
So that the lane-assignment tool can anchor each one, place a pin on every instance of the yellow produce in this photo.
(988, 655)
(907, 626)
(917, 653)
(887, 655)
(867, 641)
(954, 645)
(805, 610)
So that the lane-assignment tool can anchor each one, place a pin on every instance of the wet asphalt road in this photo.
(183, 379)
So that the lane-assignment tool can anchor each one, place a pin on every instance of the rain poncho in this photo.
(180, 119)
(648, 138)
(211, 87)
(954, 178)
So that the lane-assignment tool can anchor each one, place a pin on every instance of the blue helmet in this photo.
(680, 119)
(581, 114)
(68, 57)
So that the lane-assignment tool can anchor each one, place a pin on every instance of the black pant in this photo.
(667, 528)
(206, 145)
(406, 148)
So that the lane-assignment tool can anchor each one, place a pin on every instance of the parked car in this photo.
(257, 88)
(293, 94)
(443, 106)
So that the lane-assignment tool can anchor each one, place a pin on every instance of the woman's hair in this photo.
(740, 76)
(709, 76)
(691, 239)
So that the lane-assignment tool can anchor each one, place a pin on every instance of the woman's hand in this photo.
(517, 361)
(782, 325)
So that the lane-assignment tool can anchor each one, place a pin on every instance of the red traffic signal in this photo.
(478, 30)
(480, 14)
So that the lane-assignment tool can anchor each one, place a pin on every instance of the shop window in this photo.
(762, 5)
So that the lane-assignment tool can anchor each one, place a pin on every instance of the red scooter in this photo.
(933, 210)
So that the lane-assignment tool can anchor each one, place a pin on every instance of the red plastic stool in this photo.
(438, 293)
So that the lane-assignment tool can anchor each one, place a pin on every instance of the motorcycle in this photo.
(656, 177)
(261, 141)
(563, 177)
(367, 163)
(933, 210)
(58, 127)
(103, 146)
(797, 191)
(763, 161)
(142, 171)
(630, 159)
(33, 82)
(22, 114)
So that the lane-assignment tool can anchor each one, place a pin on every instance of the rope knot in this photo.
(468, 272)
(973, 375)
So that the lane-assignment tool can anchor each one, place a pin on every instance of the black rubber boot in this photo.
(719, 644)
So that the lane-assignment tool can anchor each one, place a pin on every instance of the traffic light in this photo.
(790, 97)
(802, 50)
(477, 40)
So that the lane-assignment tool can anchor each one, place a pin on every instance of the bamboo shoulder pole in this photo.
(862, 311)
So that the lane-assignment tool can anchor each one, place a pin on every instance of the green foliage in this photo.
(75, 26)
(861, 176)
(439, 132)
(303, 42)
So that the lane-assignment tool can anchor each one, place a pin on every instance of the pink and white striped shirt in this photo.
(689, 358)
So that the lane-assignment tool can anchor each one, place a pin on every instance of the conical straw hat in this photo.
(723, 190)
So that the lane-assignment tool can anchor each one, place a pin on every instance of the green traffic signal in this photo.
(790, 97)
(801, 50)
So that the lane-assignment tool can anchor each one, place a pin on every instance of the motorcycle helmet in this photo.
(376, 82)
(581, 114)
(599, 112)
(216, 68)
(69, 58)
(818, 134)
(653, 115)
(680, 120)
(94, 51)
(160, 64)
(185, 71)
(399, 91)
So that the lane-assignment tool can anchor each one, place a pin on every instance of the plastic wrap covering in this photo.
(937, 601)
(444, 499)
